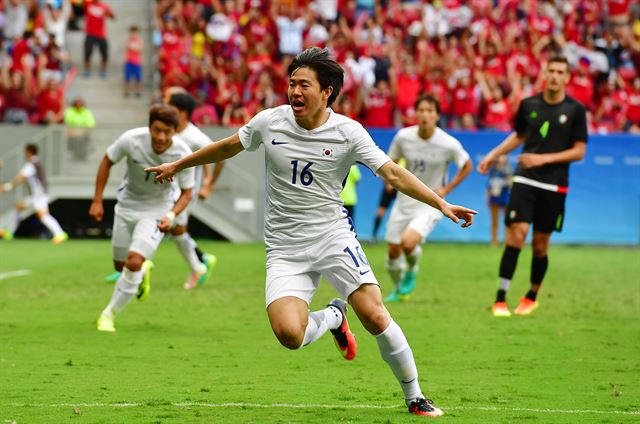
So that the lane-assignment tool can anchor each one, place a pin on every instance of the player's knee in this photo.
(408, 246)
(377, 321)
(394, 251)
(134, 261)
(289, 336)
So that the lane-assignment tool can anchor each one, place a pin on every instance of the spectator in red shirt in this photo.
(96, 12)
(133, 63)
(581, 85)
(49, 104)
(379, 106)
(464, 99)
(633, 107)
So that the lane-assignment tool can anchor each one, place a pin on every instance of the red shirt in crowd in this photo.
(619, 7)
(95, 16)
(633, 106)
(464, 101)
(49, 100)
(497, 115)
(440, 91)
(379, 112)
(409, 89)
(581, 88)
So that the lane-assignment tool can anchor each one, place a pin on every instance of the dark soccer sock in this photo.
(376, 226)
(508, 262)
(200, 254)
(507, 268)
(538, 270)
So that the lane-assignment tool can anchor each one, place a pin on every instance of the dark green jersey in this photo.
(550, 128)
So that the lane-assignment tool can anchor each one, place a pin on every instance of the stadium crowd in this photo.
(34, 63)
(478, 57)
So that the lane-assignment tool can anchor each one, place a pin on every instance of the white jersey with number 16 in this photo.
(306, 170)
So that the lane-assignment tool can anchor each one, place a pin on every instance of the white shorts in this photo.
(136, 235)
(38, 203)
(296, 272)
(422, 220)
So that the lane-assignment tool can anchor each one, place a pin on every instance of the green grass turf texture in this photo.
(179, 356)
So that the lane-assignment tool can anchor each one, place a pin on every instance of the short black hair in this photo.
(165, 114)
(429, 98)
(31, 148)
(328, 71)
(184, 102)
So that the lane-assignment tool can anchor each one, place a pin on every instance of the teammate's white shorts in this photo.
(38, 203)
(140, 235)
(296, 272)
(422, 220)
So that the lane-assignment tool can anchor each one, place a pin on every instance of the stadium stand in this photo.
(479, 57)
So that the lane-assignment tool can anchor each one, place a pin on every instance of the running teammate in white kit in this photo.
(200, 263)
(428, 151)
(308, 151)
(32, 174)
(145, 210)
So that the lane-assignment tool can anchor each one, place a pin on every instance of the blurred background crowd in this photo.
(478, 57)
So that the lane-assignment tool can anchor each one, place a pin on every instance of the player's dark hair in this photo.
(165, 114)
(328, 71)
(429, 98)
(31, 148)
(184, 102)
(559, 59)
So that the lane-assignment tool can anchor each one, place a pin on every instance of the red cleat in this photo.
(345, 340)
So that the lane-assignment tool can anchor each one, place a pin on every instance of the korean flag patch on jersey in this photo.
(327, 152)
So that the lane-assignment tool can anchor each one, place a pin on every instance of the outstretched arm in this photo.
(510, 143)
(216, 152)
(534, 160)
(96, 211)
(407, 183)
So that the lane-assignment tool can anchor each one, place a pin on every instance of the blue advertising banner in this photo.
(603, 205)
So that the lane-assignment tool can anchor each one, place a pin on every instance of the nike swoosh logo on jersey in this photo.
(275, 143)
(363, 273)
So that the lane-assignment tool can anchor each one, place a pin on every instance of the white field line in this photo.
(316, 406)
(16, 273)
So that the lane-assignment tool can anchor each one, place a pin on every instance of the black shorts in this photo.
(543, 208)
(91, 41)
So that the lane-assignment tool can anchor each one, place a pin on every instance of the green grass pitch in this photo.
(208, 355)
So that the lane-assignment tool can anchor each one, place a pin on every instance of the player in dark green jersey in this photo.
(552, 126)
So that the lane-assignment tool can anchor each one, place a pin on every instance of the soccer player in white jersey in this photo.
(201, 263)
(309, 150)
(32, 174)
(428, 151)
(145, 211)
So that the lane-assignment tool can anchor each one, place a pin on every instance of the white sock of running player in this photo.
(125, 289)
(51, 224)
(413, 259)
(396, 352)
(187, 247)
(395, 268)
(328, 318)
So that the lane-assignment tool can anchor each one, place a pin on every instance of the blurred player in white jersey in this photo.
(201, 263)
(33, 176)
(428, 151)
(145, 211)
(309, 150)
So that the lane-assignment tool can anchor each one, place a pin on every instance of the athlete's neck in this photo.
(553, 97)
(312, 122)
(426, 133)
(182, 126)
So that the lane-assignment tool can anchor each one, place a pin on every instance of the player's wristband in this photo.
(7, 186)
(171, 216)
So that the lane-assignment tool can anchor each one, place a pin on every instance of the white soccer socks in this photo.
(396, 352)
(187, 246)
(320, 321)
(52, 224)
(125, 290)
(395, 268)
(413, 259)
